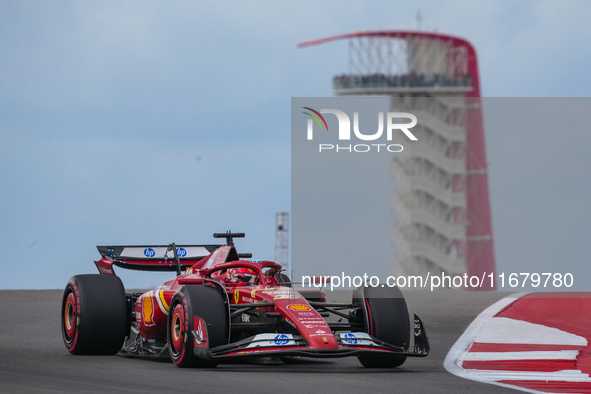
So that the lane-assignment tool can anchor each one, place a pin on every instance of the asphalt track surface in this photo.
(34, 359)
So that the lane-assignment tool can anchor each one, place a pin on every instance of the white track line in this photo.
(534, 355)
(504, 330)
(570, 375)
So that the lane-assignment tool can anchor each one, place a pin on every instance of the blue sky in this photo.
(145, 122)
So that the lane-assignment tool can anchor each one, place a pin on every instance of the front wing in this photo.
(349, 344)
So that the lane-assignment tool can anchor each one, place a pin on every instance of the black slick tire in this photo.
(94, 315)
(207, 303)
(387, 319)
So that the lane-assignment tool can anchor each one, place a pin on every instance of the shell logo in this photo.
(299, 307)
(148, 310)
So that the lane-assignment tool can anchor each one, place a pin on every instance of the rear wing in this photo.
(169, 257)
(151, 257)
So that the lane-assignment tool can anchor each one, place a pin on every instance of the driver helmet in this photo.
(241, 275)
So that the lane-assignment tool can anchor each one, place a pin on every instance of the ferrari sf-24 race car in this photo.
(225, 308)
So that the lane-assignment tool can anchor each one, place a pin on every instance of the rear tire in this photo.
(94, 314)
(283, 279)
(207, 303)
(386, 318)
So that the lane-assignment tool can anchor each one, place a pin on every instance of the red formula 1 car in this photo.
(226, 308)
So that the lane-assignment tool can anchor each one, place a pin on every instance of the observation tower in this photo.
(444, 202)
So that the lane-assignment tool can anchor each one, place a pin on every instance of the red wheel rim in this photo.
(70, 316)
(177, 328)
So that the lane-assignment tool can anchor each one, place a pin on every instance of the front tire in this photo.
(94, 314)
(207, 303)
(386, 318)
(381, 361)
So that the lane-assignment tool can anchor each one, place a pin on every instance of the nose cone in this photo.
(308, 322)
(321, 339)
